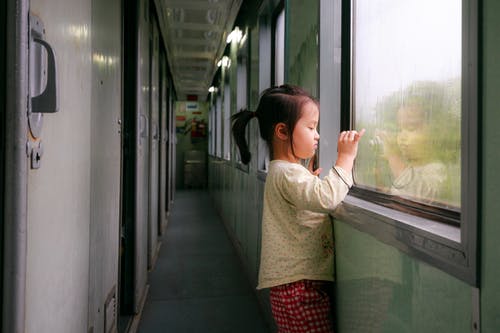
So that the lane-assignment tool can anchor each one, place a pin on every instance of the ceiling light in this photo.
(234, 36)
(243, 39)
(224, 62)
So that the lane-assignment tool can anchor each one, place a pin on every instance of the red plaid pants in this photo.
(302, 307)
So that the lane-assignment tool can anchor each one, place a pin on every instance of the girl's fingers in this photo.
(360, 134)
(351, 135)
(317, 171)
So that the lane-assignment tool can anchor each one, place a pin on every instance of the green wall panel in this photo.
(302, 44)
(490, 187)
(380, 289)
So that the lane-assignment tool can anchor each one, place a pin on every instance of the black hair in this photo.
(281, 104)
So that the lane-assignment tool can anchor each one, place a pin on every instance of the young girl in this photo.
(297, 241)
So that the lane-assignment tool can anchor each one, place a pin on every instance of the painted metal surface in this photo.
(142, 155)
(381, 289)
(154, 141)
(15, 164)
(106, 109)
(59, 193)
(163, 142)
(489, 166)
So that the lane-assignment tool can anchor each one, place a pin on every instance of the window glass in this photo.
(266, 63)
(254, 68)
(218, 126)
(253, 98)
(227, 121)
(302, 38)
(211, 143)
(242, 83)
(242, 78)
(279, 49)
(406, 92)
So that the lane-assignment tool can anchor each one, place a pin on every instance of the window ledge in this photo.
(262, 175)
(433, 242)
(242, 167)
(392, 216)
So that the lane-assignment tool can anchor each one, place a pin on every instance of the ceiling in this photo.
(195, 34)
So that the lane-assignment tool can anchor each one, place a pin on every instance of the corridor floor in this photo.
(198, 283)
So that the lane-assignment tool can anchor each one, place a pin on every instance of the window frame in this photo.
(278, 13)
(266, 69)
(211, 127)
(268, 15)
(226, 118)
(242, 90)
(218, 124)
(448, 247)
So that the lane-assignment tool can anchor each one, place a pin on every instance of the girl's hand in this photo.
(316, 172)
(347, 148)
(387, 144)
(310, 166)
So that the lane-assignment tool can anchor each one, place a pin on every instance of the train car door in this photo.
(55, 70)
(154, 121)
(135, 180)
(106, 110)
(142, 155)
(162, 100)
(142, 158)
(170, 146)
(3, 34)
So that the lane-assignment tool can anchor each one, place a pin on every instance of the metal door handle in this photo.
(47, 101)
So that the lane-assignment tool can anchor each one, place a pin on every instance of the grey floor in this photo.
(198, 283)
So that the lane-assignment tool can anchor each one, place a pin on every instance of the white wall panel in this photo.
(142, 154)
(106, 162)
(59, 192)
(154, 121)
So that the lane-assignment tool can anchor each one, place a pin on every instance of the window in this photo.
(279, 48)
(302, 44)
(265, 65)
(211, 124)
(406, 92)
(218, 126)
(242, 87)
(227, 120)
(272, 73)
(408, 76)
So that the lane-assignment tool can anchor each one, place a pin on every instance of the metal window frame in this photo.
(243, 67)
(452, 249)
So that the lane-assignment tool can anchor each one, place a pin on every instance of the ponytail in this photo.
(239, 123)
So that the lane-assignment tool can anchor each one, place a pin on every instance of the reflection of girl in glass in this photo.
(416, 173)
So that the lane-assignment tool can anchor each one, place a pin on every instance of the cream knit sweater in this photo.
(297, 239)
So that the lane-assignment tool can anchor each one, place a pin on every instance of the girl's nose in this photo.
(403, 137)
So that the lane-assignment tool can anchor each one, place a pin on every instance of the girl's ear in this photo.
(281, 131)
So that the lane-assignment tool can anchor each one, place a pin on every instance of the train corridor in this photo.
(198, 283)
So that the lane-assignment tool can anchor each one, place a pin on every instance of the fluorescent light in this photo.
(234, 36)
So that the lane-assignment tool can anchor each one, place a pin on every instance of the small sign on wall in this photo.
(192, 119)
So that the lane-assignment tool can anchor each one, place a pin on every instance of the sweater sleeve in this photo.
(308, 192)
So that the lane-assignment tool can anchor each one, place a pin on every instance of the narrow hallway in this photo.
(198, 283)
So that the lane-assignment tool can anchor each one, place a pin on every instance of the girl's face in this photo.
(305, 134)
(413, 137)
